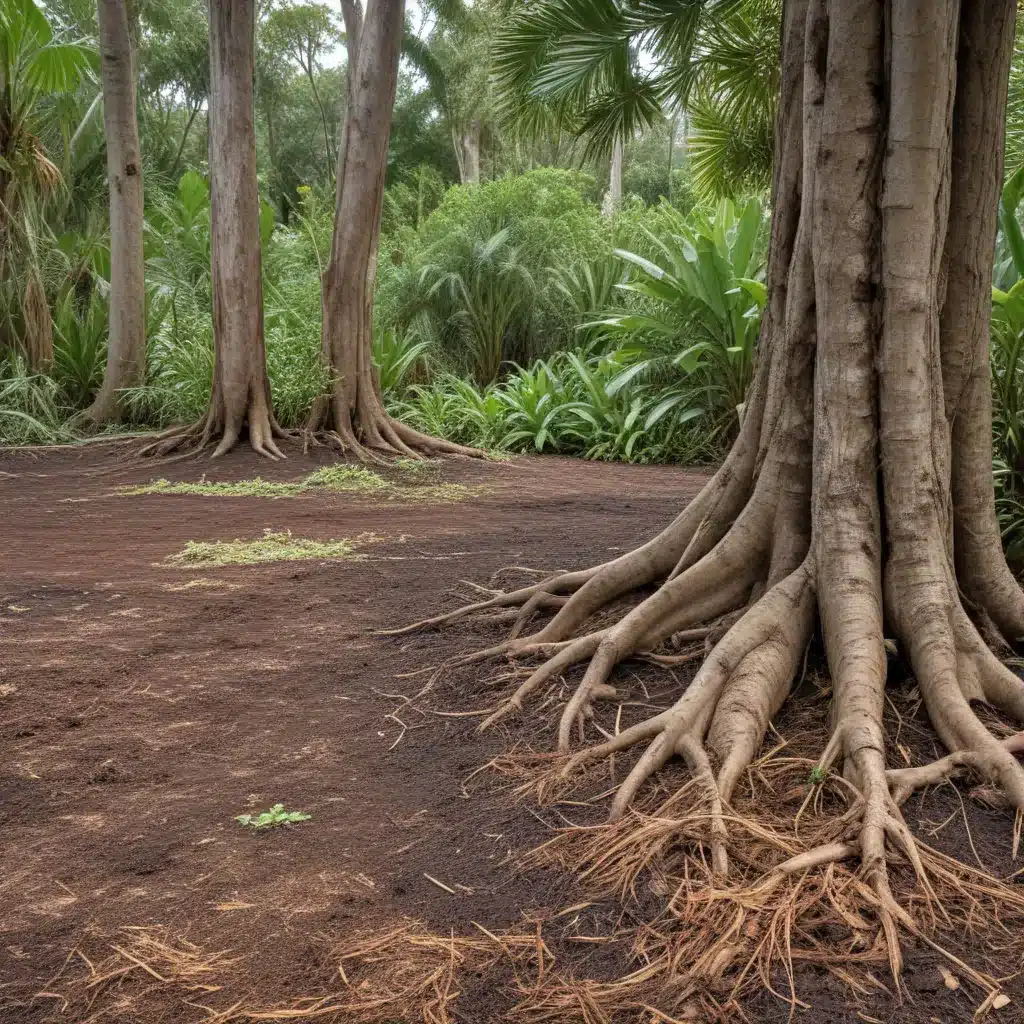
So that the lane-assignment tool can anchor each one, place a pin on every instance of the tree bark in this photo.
(613, 200)
(469, 165)
(240, 395)
(353, 414)
(126, 342)
(858, 494)
(241, 390)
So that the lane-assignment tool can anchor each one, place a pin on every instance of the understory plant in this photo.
(565, 404)
(694, 323)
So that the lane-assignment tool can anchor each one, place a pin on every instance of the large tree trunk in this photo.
(126, 342)
(240, 396)
(353, 415)
(858, 494)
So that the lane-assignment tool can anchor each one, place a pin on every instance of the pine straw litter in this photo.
(696, 947)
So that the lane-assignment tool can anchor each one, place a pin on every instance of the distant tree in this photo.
(240, 396)
(174, 74)
(35, 67)
(353, 414)
(305, 32)
(126, 343)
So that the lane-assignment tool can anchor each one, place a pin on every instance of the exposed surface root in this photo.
(263, 432)
(378, 437)
(797, 894)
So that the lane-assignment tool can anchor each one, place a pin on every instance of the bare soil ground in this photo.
(143, 707)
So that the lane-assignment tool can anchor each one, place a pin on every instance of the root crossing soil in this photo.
(144, 706)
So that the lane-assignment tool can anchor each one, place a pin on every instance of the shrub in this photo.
(693, 327)
(543, 219)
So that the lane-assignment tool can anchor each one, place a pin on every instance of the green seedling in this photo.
(277, 815)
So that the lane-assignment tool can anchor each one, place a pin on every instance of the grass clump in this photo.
(255, 488)
(277, 815)
(341, 478)
(347, 478)
(271, 547)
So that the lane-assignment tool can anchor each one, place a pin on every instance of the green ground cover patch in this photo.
(273, 546)
(277, 815)
(348, 479)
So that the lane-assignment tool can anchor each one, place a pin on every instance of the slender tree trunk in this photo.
(353, 414)
(469, 166)
(176, 163)
(858, 495)
(613, 200)
(241, 391)
(671, 151)
(126, 343)
(328, 152)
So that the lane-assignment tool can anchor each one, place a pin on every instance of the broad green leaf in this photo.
(755, 289)
(747, 228)
(1011, 197)
(620, 380)
(59, 67)
(193, 192)
(639, 261)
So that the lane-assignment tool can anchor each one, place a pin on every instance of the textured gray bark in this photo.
(353, 415)
(241, 391)
(126, 343)
(470, 163)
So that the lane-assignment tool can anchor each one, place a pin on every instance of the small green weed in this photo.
(817, 776)
(277, 815)
(271, 547)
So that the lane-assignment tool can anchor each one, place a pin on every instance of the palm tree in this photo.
(35, 65)
(605, 69)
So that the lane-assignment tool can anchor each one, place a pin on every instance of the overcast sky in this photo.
(412, 10)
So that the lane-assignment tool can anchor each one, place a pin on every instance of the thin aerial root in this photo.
(827, 853)
(654, 758)
(904, 782)
(604, 660)
(431, 445)
(669, 660)
(542, 599)
(560, 583)
(700, 765)
(627, 738)
(526, 647)
(515, 615)
(569, 654)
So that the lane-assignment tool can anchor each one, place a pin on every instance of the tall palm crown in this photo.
(606, 69)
